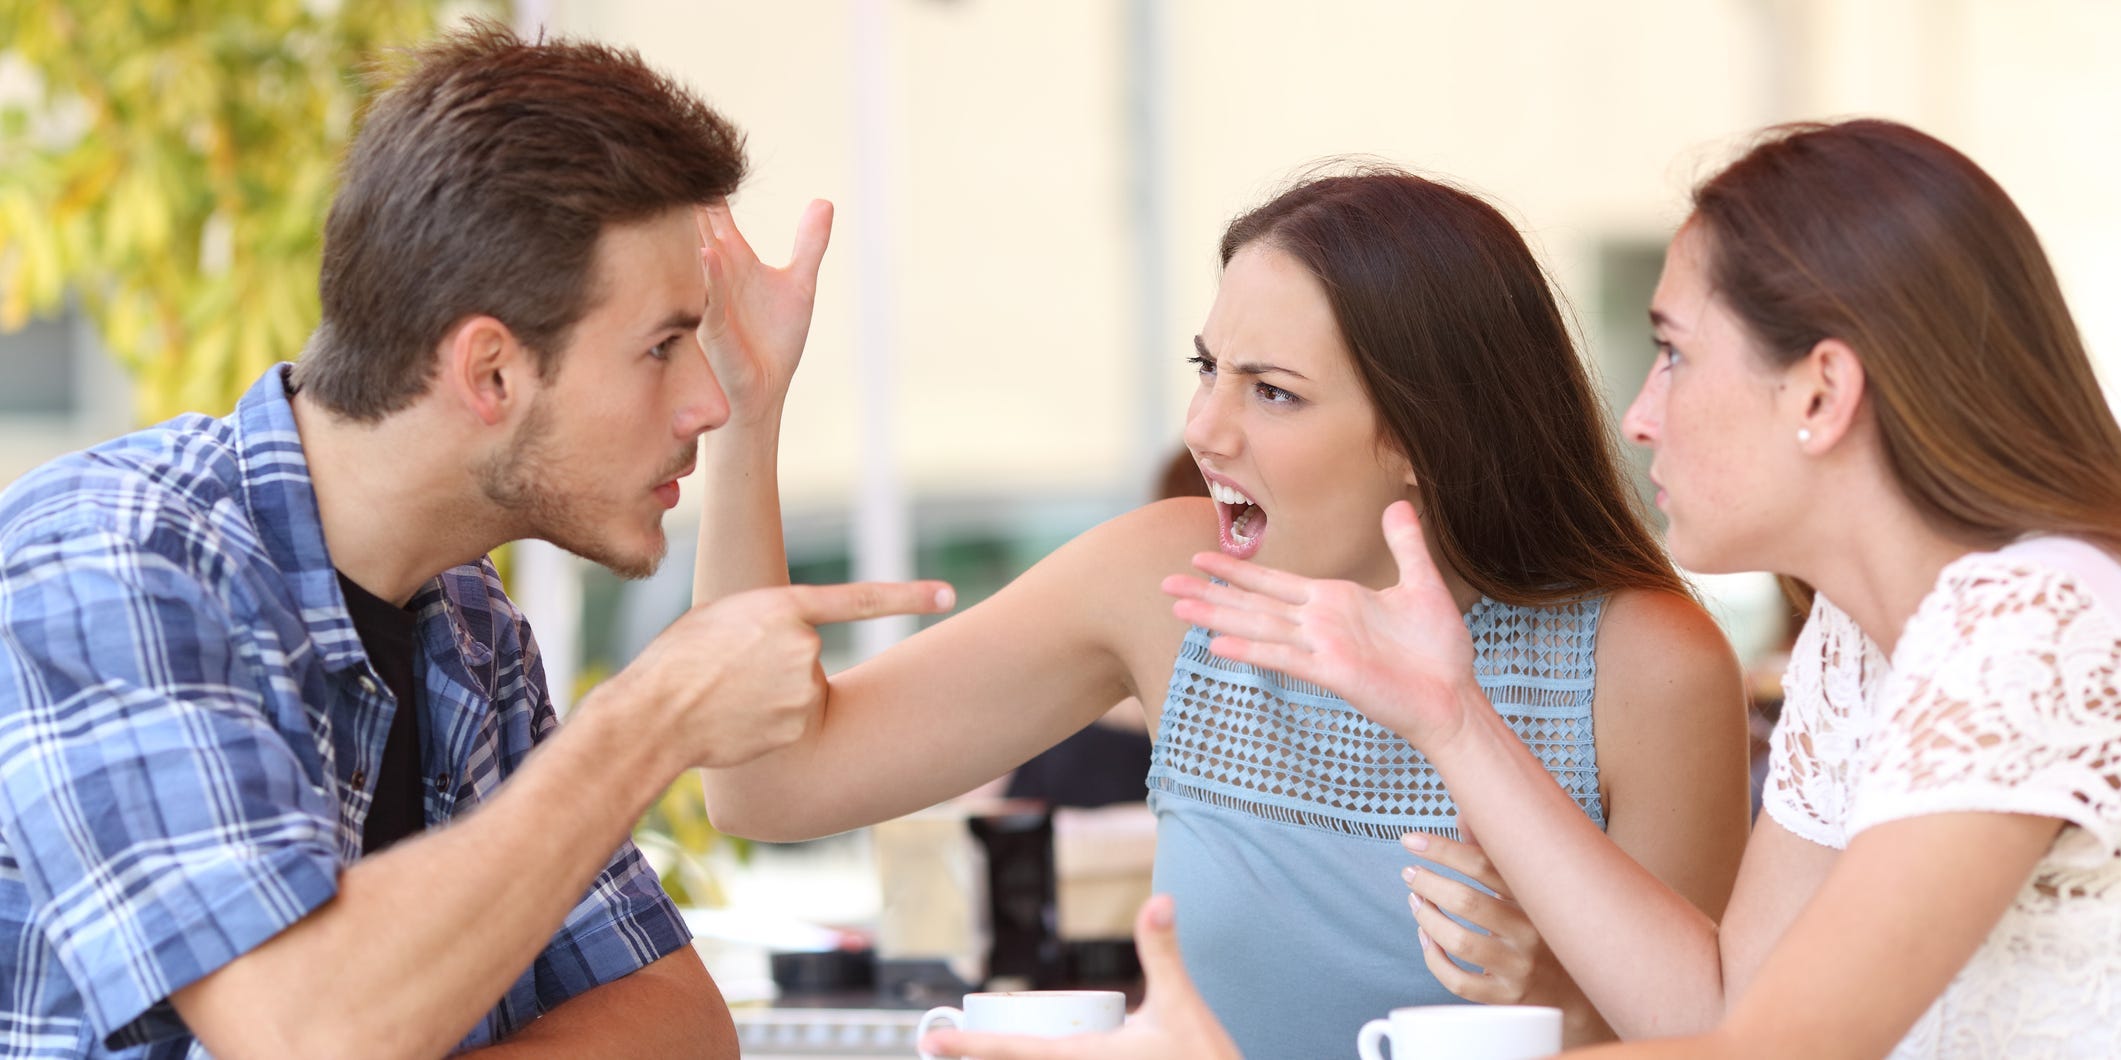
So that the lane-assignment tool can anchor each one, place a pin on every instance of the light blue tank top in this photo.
(1279, 810)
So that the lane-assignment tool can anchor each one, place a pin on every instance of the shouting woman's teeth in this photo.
(1242, 518)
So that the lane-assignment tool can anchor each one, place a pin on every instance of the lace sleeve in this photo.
(1814, 740)
(2002, 699)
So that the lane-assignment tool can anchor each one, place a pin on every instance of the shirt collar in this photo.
(282, 502)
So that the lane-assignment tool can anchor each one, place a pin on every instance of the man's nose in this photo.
(707, 406)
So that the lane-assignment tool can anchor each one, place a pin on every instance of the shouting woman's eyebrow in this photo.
(1245, 367)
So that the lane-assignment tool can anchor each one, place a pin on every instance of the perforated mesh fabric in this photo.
(1261, 742)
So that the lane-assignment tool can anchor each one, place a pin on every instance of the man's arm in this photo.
(392, 966)
(388, 967)
(138, 749)
(669, 1009)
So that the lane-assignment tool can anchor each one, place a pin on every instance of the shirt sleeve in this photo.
(1804, 792)
(162, 825)
(623, 924)
(2003, 700)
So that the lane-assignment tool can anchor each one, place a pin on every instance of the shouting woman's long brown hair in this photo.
(1463, 351)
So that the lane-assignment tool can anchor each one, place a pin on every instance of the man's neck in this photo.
(398, 503)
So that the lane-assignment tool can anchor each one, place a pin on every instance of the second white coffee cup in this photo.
(1041, 1013)
(1464, 1032)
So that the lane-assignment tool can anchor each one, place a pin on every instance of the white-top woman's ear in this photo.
(1825, 389)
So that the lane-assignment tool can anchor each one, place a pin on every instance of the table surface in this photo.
(815, 1033)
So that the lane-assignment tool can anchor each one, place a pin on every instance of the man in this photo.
(251, 667)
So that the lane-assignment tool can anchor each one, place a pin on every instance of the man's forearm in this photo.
(422, 939)
(669, 1009)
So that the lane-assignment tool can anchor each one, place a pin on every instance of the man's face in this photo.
(594, 463)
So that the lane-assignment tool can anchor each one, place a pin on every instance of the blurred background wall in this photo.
(1030, 193)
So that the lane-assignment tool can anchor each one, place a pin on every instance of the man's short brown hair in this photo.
(480, 184)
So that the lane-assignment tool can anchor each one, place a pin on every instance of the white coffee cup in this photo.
(1464, 1032)
(1040, 1013)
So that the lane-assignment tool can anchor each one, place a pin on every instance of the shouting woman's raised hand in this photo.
(1400, 655)
(758, 317)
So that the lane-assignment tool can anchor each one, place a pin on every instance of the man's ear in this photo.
(485, 370)
(1827, 385)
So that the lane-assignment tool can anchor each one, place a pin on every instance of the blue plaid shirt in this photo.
(190, 734)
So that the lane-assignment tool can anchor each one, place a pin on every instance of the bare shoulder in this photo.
(1147, 542)
(1670, 726)
(1666, 673)
(1114, 570)
(1111, 579)
(1649, 638)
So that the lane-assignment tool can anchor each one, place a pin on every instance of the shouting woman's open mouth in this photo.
(1242, 522)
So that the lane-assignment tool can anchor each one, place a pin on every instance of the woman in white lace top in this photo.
(1868, 380)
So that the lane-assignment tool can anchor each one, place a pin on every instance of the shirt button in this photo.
(360, 778)
(368, 684)
(442, 781)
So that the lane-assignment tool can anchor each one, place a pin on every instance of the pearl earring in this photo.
(1804, 435)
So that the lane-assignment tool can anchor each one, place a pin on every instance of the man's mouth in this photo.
(667, 490)
(1241, 521)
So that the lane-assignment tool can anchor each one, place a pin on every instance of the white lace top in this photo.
(2001, 696)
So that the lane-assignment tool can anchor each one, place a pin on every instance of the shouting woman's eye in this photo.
(1275, 395)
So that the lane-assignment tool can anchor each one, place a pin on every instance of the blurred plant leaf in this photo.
(173, 168)
(676, 837)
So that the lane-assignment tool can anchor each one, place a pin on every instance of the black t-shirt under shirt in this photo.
(387, 632)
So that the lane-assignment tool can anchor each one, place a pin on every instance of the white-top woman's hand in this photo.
(758, 317)
(1516, 967)
(1173, 1022)
(1402, 655)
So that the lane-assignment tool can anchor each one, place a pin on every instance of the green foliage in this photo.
(174, 171)
(679, 841)
(676, 837)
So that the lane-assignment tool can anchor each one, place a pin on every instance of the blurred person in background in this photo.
(1377, 337)
(253, 665)
(1868, 381)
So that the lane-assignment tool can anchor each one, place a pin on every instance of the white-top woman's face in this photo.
(1283, 429)
(1727, 462)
